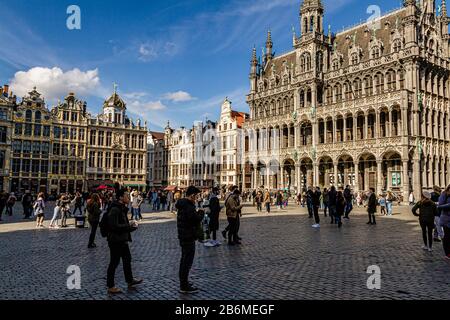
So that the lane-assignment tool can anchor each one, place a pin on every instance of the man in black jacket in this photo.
(119, 234)
(316, 205)
(372, 206)
(188, 220)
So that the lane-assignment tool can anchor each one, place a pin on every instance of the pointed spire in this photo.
(444, 9)
(269, 45)
(254, 57)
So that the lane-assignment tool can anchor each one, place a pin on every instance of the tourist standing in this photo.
(412, 201)
(316, 205)
(78, 204)
(233, 211)
(372, 207)
(340, 208)
(279, 200)
(325, 201)
(39, 208)
(267, 200)
(136, 199)
(27, 204)
(309, 202)
(382, 203)
(348, 196)
(65, 207)
(10, 204)
(119, 235)
(389, 203)
(438, 230)
(56, 213)
(258, 199)
(188, 220)
(214, 207)
(427, 211)
(170, 199)
(94, 211)
(332, 203)
(444, 206)
(163, 200)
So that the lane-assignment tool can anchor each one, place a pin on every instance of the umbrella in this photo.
(102, 187)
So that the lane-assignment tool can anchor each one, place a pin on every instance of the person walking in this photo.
(188, 222)
(316, 205)
(438, 230)
(119, 235)
(348, 196)
(65, 210)
(340, 208)
(10, 204)
(267, 200)
(389, 203)
(78, 204)
(56, 213)
(170, 198)
(27, 205)
(214, 207)
(427, 211)
(325, 201)
(372, 207)
(258, 200)
(163, 201)
(412, 201)
(94, 211)
(444, 221)
(309, 202)
(332, 203)
(279, 200)
(382, 203)
(39, 208)
(3, 200)
(233, 211)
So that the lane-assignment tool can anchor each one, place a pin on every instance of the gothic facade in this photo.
(366, 107)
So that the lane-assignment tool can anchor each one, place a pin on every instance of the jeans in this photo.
(438, 231)
(325, 206)
(348, 208)
(135, 213)
(333, 213)
(316, 214)
(94, 226)
(78, 208)
(56, 212)
(310, 209)
(446, 241)
(259, 206)
(372, 217)
(9, 210)
(427, 233)
(187, 259)
(268, 207)
(389, 208)
(232, 234)
(118, 251)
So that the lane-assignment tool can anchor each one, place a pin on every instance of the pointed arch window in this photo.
(397, 46)
(376, 53)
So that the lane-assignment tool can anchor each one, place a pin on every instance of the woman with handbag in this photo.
(39, 207)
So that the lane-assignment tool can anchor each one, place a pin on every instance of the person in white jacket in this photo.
(136, 201)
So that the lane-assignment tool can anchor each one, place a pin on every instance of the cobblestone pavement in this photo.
(282, 257)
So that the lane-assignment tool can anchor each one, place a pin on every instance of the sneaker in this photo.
(135, 282)
(316, 225)
(188, 290)
(430, 250)
(424, 247)
(217, 243)
(209, 243)
(114, 291)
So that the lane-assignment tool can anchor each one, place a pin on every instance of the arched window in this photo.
(338, 89)
(368, 83)
(303, 63)
(380, 82)
(357, 87)
(391, 80)
(431, 46)
(311, 24)
(397, 46)
(329, 95)
(28, 116)
(37, 116)
(402, 79)
(375, 53)
(335, 65)
(305, 24)
(348, 91)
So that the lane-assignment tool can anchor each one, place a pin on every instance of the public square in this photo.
(281, 258)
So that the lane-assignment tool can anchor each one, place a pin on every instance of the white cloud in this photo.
(147, 52)
(135, 95)
(179, 96)
(55, 83)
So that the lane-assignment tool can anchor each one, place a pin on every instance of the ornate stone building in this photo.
(69, 145)
(117, 147)
(229, 148)
(157, 160)
(181, 149)
(7, 104)
(368, 106)
(31, 144)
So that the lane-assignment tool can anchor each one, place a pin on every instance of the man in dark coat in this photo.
(188, 220)
(348, 201)
(27, 204)
(214, 207)
(119, 234)
(332, 194)
(316, 204)
(309, 201)
(372, 207)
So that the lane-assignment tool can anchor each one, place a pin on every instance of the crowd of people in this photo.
(117, 212)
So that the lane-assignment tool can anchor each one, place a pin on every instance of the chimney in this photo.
(5, 90)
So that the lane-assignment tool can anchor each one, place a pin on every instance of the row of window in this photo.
(106, 159)
(29, 129)
(69, 133)
(28, 147)
(133, 141)
(42, 166)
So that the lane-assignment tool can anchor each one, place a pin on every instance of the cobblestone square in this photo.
(281, 258)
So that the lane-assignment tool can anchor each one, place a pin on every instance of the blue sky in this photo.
(172, 60)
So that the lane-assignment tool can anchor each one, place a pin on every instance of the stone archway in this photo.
(392, 171)
(288, 174)
(346, 171)
(326, 172)
(367, 172)
(306, 173)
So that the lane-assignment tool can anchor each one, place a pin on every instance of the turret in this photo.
(311, 16)
(253, 71)
(269, 46)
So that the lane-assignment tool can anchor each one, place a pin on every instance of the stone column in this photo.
(334, 130)
(379, 177)
(405, 180)
(366, 126)
(417, 185)
(377, 124)
(345, 128)
(315, 174)
(335, 164)
(325, 131)
(356, 188)
(355, 126)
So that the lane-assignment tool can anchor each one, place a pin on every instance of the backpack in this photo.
(104, 225)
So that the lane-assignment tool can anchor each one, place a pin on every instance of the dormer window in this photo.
(335, 65)
(376, 53)
(355, 59)
(397, 46)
